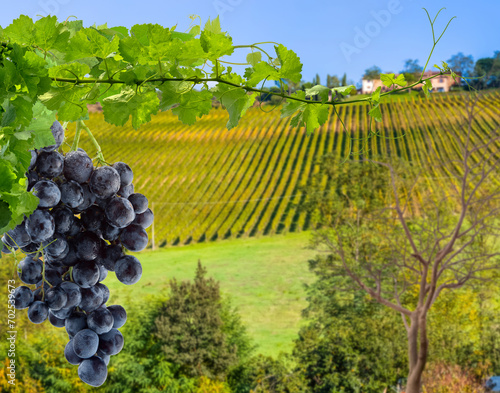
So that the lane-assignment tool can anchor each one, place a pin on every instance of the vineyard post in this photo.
(153, 228)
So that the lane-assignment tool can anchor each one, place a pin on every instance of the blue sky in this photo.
(329, 36)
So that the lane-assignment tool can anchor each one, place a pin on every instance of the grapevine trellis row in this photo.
(230, 187)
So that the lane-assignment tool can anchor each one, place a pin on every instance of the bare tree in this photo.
(429, 239)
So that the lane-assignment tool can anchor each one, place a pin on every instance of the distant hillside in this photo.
(207, 183)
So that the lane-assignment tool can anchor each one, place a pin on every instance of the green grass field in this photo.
(264, 277)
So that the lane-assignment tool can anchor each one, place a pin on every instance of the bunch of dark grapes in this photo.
(86, 218)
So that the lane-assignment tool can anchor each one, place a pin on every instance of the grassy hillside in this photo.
(207, 183)
(263, 276)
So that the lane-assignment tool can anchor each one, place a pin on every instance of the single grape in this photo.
(91, 298)
(30, 248)
(85, 343)
(38, 312)
(119, 315)
(126, 174)
(88, 246)
(134, 238)
(75, 322)
(18, 236)
(56, 298)
(53, 276)
(103, 273)
(100, 320)
(104, 182)
(31, 270)
(119, 212)
(70, 355)
(144, 219)
(78, 166)
(93, 219)
(105, 358)
(72, 292)
(111, 343)
(58, 133)
(32, 177)
(48, 193)
(50, 164)
(23, 297)
(55, 245)
(88, 198)
(104, 291)
(71, 193)
(110, 232)
(63, 218)
(75, 228)
(54, 321)
(110, 255)
(34, 156)
(126, 191)
(71, 258)
(139, 202)
(86, 274)
(63, 313)
(40, 225)
(93, 371)
(128, 270)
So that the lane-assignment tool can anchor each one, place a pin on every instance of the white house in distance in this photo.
(440, 84)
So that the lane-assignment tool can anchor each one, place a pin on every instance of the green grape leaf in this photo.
(314, 116)
(49, 34)
(375, 112)
(427, 87)
(192, 104)
(400, 80)
(260, 72)
(291, 67)
(40, 125)
(20, 203)
(215, 43)
(5, 215)
(344, 90)
(88, 42)
(70, 70)
(253, 58)
(321, 91)
(119, 107)
(20, 31)
(292, 106)
(235, 99)
(69, 101)
(375, 97)
(7, 176)
(389, 80)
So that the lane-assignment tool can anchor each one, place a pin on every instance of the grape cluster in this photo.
(85, 220)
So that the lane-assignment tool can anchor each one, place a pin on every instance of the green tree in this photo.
(411, 251)
(344, 80)
(462, 64)
(191, 331)
(332, 81)
(487, 70)
(412, 67)
(372, 73)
